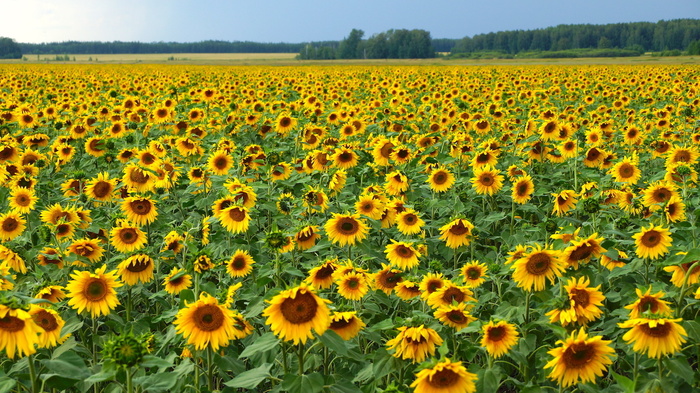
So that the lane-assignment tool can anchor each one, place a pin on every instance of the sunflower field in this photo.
(349, 229)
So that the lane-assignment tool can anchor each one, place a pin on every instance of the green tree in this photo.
(9, 49)
(349, 46)
(694, 48)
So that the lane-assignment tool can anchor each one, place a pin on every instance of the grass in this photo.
(287, 59)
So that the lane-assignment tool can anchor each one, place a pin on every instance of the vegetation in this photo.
(9, 49)
(392, 44)
(638, 37)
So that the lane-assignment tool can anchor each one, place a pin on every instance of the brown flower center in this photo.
(138, 176)
(141, 206)
(46, 320)
(444, 378)
(578, 355)
(102, 189)
(626, 170)
(660, 330)
(300, 309)
(208, 317)
(236, 214)
(459, 229)
(9, 225)
(581, 297)
(651, 238)
(347, 226)
(95, 290)
(496, 333)
(128, 235)
(139, 265)
(11, 324)
(453, 294)
(340, 324)
(538, 264)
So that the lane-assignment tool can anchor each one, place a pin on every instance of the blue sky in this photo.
(296, 21)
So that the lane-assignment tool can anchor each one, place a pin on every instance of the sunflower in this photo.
(414, 343)
(136, 268)
(369, 206)
(322, 276)
(655, 336)
(345, 229)
(22, 200)
(11, 225)
(127, 238)
(176, 281)
(454, 315)
(18, 333)
(307, 237)
(583, 303)
(626, 171)
(220, 162)
(240, 264)
(138, 179)
(402, 254)
(140, 210)
(93, 292)
(407, 289)
(582, 250)
(396, 183)
(674, 209)
(285, 123)
(241, 327)
(659, 193)
(50, 325)
(293, 313)
(337, 181)
(535, 266)
(346, 324)
(352, 286)
(202, 263)
(652, 242)
(474, 273)
(445, 377)
(234, 219)
(487, 180)
(345, 158)
(449, 294)
(522, 190)
(280, 171)
(101, 188)
(173, 241)
(579, 358)
(611, 263)
(430, 283)
(440, 179)
(205, 323)
(647, 303)
(498, 337)
(315, 199)
(564, 202)
(87, 248)
(12, 259)
(51, 293)
(682, 274)
(386, 279)
(457, 233)
(382, 151)
(409, 222)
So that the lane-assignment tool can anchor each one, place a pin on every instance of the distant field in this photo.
(289, 59)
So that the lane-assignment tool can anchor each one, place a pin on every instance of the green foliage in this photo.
(9, 49)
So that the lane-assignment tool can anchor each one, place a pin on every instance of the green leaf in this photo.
(680, 366)
(69, 365)
(312, 383)
(7, 384)
(265, 343)
(345, 386)
(624, 382)
(491, 379)
(160, 382)
(250, 379)
(334, 342)
(693, 329)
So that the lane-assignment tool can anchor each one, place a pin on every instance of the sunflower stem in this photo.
(128, 304)
(301, 359)
(527, 307)
(32, 373)
(210, 368)
(684, 287)
(129, 384)
(661, 368)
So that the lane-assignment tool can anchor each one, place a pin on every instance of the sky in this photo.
(296, 21)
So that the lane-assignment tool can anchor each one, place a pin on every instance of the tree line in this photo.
(640, 37)
(122, 47)
(392, 44)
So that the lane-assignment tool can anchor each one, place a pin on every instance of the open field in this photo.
(283, 59)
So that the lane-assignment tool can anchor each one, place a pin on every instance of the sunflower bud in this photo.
(127, 350)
